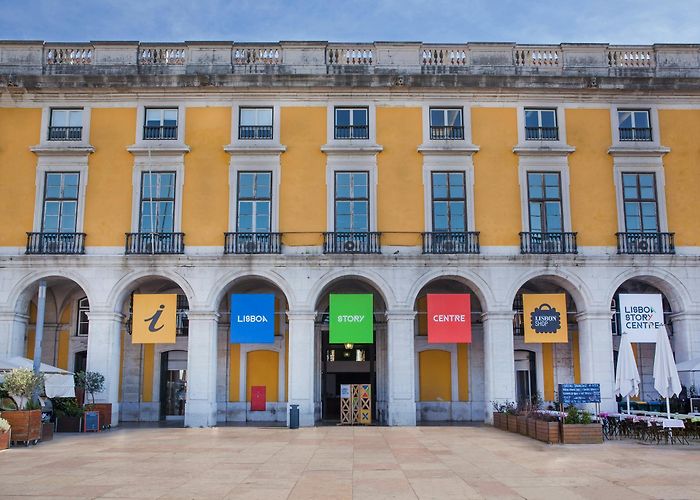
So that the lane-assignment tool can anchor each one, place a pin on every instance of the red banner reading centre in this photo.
(449, 318)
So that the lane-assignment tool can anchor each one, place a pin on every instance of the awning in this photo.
(58, 383)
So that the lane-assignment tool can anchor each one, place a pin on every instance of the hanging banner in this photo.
(154, 318)
(252, 318)
(641, 314)
(544, 318)
(351, 319)
(449, 318)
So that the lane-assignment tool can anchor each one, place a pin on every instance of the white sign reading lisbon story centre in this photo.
(641, 314)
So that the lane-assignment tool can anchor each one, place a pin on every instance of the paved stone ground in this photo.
(341, 462)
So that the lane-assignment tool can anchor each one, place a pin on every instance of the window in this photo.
(160, 124)
(449, 202)
(255, 123)
(446, 124)
(641, 211)
(82, 324)
(634, 125)
(351, 123)
(254, 202)
(541, 125)
(544, 200)
(352, 201)
(157, 202)
(60, 202)
(66, 125)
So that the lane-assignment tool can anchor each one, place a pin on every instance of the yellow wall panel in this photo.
(435, 375)
(575, 356)
(262, 368)
(147, 381)
(111, 166)
(400, 193)
(63, 345)
(592, 190)
(234, 373)
(19, 130)
(30, 344)
(206, 192)
(548, 371)
(496, 186)
(303, 186)
(422, 313)
(463, 371)
(680, 131)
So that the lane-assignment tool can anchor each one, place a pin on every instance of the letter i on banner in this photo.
(252, 318)
(449, 318)
(154, 318)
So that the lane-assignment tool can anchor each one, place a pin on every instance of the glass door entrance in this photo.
(173, 385)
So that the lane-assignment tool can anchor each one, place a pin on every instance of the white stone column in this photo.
(499, 360)
(104, 355)
(13, 329)
(301, 365)
(686, 343)
(596, 354)
(401, 367)
(200, 407)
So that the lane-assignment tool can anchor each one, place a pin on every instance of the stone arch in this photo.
(477, 285)
(230, 279)
(669, 285)
(123, 287)
(573, 285)
(368, 277)
(23, 291)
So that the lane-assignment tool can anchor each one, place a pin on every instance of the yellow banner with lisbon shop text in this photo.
(544, 318)
(154, 319)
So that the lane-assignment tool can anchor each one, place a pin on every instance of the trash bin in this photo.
(293, 416)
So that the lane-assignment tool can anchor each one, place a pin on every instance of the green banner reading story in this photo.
(351, 319)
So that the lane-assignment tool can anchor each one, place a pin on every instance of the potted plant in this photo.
(4, 434)
(499, 415)
(22, 384)
(92, 382)
(68, 414)
(578, 428)
(535, 406)
(511, 416)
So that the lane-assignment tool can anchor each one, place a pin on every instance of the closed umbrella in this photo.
(627, 377)
(666, 380)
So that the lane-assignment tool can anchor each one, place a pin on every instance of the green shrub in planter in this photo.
(21, 384)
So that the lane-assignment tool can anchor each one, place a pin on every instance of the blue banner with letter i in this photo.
(252, 318)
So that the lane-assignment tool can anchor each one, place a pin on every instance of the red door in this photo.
(257, 398)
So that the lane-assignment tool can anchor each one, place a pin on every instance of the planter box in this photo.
(512, 423)
(105, 411)
(4, 440)
(68, 424)
(532, 428)
(46, 431)
(522, 424)
(582, 433)
(498, 420)
(26, 425)
(547, 432)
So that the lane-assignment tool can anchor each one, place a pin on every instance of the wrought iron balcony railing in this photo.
(165, 133)
(351, 242)
(635, 134)
(352, 131)
(55, 243)
(645, 243)
(260, 243)
(541, 133)
(449, 133)
(451, 242)
(155, 243)
(65, 133)
(252, 132)
(544, 243)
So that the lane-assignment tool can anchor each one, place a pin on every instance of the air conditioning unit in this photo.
(642, 245)
(350, 246)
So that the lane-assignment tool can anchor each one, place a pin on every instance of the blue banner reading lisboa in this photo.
(252, 318)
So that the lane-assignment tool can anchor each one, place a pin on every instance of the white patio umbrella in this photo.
(627, 377)
(666, 380)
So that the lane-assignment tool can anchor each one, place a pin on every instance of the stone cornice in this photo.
(352, 149)
(554, 150)
(158, 150)
(448, 150)
(255, 150)
(62, 150)
(639, 151)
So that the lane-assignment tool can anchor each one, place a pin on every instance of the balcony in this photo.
(252, 243)
(645, 243)
(352, 131)
(541, 134)
(446, 133)
(255, 132)
(635, 134)
(155, 243)
(161, 133)
(451, 242)
(354, 243)
(548, 243)
(55, 243)
(65, 133)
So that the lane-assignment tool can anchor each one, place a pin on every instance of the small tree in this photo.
(91, 382)
(21, 384)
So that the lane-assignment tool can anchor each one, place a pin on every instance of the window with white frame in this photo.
(449, 202)
(157, 206)
(351, 123)
(541, 125)
(254, 200)
(82, 323)
(446, 124)
(255, 123)
(634, 125)
(352, 201)
(640, 202)
(66, 125)
(160, 124)
(60, 210)
(545, 202)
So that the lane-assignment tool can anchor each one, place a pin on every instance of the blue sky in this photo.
(538, 21)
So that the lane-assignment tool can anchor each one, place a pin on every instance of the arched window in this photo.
(82, 323)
